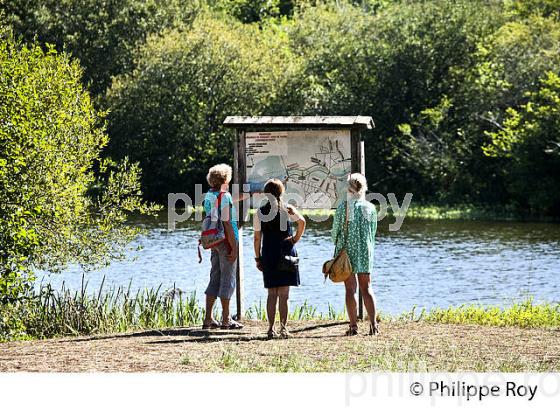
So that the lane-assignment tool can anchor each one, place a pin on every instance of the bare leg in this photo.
(364, 281)
(271, 307)
(225, 311)
(351, 305)
(283, 296)
(209, 307)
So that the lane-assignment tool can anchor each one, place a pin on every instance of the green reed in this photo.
(48, 312)
(304, 311)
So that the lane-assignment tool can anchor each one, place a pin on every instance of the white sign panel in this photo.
(259, 144)
(313, 164)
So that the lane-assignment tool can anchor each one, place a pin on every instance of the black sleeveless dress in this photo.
(274, 246)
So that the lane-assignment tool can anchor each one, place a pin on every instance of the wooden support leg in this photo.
(239, 294)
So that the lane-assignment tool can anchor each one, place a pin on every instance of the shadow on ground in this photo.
(197, 335)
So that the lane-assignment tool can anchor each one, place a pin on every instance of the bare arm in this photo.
(257, 240)
(228, 231)
(230, 236)
(298, 218)
(230, 239)
(257, 244)
(258, 236)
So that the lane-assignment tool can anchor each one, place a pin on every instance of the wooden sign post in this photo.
(281, 129)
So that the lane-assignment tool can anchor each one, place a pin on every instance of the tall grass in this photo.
(49, 312)
(299, 312)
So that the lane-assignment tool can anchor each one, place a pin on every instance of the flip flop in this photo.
(211, 325)
(233, 325)
(284, 334)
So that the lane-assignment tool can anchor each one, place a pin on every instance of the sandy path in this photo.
(314, 346)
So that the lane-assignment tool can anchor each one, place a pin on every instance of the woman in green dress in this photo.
(359, 240)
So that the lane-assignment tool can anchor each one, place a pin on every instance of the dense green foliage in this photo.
(53, 208)
(101, 34)
(527, 7)
(167, 113)
(465, 95)
(397, 65)
(251, 11)
(530, 142)
(441, 79)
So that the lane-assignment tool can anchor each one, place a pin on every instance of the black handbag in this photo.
(288, 264)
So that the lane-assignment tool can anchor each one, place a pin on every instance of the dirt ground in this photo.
(313, 346)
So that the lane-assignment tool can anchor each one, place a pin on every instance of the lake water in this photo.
(426, 263)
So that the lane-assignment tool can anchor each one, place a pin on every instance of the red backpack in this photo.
(212, 231)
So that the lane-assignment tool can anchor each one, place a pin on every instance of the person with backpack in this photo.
(220, 234)
(353, 232)
(275, 253)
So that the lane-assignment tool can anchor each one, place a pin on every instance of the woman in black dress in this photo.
(274, 231)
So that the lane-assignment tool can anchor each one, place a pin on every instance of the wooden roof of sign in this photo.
(349, 121)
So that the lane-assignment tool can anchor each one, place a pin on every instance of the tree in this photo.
(445, 139)
(530, 142)
(167, 113)
(252, 11)
(526, 8)
(407, 58)
(53, 210)
(101, 34)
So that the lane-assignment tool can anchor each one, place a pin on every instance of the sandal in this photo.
(271, 334)
(284, 334)
(232, 325)
(373, 330)
(210, 325)
(353, 331)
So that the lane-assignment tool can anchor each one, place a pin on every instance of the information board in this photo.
(314, 164)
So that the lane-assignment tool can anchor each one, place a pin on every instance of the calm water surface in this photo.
(426, 263)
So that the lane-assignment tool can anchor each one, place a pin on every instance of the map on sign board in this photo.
(313, 164)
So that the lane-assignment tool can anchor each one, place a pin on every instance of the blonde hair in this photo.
(357, 184)
(218, 175)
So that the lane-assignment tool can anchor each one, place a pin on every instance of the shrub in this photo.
(50, 140)
(530, 142)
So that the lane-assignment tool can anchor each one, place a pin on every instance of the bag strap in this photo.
(219, 205)
(346, 226)
(345, 232)
(219, 217)
(220, 195)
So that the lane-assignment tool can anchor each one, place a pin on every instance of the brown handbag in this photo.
(339, 268)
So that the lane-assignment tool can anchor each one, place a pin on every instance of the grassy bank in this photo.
(525, 314)
(436, 212)
(50, 313)
(159, 330)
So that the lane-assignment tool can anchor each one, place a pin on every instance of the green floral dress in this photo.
(362, 226)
